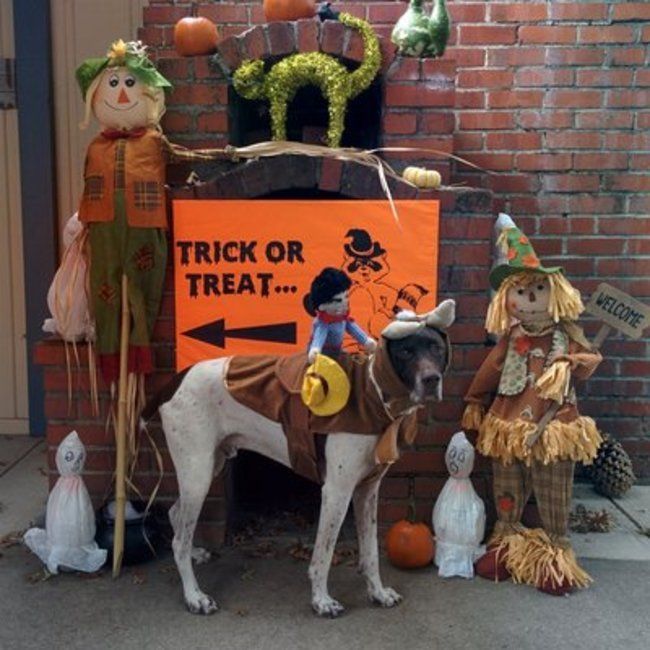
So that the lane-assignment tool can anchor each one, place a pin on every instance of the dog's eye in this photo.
(406, 352)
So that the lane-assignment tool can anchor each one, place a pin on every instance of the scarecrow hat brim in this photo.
(133, 58)
(499, 273)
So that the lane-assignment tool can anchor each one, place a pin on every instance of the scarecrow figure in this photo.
(524, 408)
(329, 297)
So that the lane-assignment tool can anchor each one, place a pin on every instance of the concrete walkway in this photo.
(265, 600)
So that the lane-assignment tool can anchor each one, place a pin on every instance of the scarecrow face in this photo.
(120, 101)
(528, 299)
(337, 306)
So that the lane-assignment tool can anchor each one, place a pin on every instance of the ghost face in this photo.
(459, 457)
(71, 455)
(337, 306)
(120, 101)
(528, 299)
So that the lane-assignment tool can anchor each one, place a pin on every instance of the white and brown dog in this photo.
(204, 425)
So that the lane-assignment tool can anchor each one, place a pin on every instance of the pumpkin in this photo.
(426, 179)
(410, 545)
(289, 9)
(195, 35)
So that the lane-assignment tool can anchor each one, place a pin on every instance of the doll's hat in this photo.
(131, 55)
(326, 387)
(521, 256)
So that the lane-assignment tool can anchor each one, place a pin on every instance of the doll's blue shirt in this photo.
(328, 337)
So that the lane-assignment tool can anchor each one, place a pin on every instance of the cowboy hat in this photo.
(326, 387)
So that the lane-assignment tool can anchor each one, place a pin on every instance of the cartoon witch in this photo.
(523, 405)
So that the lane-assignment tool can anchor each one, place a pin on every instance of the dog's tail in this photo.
(161, 397)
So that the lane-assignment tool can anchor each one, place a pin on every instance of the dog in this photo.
(204, 425)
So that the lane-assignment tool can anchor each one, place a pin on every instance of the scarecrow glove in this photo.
(370, 345)
(313, 353)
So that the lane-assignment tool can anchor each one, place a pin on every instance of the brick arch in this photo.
(278, 39)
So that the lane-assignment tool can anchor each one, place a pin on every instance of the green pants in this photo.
(141, 254)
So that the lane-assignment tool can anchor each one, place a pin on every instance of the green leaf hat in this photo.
(521, 256)
(131, 55)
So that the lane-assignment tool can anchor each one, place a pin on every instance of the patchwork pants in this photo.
(141, 254)
(552, 486)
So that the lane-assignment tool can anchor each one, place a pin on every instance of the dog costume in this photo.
(523, 377)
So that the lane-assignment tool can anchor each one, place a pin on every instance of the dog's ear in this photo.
(443, 315)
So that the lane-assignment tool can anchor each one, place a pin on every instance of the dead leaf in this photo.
(242, 611)
(14, 538)
(38, 576)
(139, 577)
(248, 574)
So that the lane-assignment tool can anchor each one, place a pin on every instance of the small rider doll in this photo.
(329, 297)
(526, 379)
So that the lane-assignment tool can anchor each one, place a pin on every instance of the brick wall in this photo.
(553, 98)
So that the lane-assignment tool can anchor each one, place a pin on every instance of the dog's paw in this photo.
(200, 555)
(327, 607)
(385, 597)
(201, 604)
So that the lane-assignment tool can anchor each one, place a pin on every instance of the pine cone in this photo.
(611, 471)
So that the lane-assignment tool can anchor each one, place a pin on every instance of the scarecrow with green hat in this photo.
(523, 406)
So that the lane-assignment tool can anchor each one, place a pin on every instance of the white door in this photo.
(14, 416)
(81, 29)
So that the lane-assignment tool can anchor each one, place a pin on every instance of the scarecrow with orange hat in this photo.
(523, 406)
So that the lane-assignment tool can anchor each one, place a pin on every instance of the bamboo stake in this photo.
(120, 435)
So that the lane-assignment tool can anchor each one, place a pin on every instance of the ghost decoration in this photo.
(459, 514)
(68, 540)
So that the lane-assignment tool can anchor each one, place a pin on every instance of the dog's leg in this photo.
(348, 459)
(200, 555)
(365, 514)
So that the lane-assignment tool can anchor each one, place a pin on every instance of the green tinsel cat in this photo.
(281, 83)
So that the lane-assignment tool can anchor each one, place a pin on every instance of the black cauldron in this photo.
(142, 536)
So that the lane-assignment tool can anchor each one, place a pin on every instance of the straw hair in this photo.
(564, 304)
(154, 97)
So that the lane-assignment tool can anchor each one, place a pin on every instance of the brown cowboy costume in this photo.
(379, 404)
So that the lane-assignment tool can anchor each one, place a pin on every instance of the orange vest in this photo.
(144, 176)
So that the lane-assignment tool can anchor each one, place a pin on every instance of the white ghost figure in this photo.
(459, 514)
(69, 536)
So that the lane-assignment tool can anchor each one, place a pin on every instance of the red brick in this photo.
(627, 55)
(467, 57)
(631, 11)
(628, 183)
(253, 44)
(492, 161)
(519, 12)
(385, 13)
(618, 226)
(404, 69)
(606, 34)
(223, 13)
(640, 161)
(440, 71)
(307, 35)
(468, 141)
(604, 120)
(473, 12)
(547, 119)
(228, 50)
(164, 15)
(514, 183)
(417, 95)
(487, 35)
(547, 34)
(604, 77)
(582, 11)
(470, 99)
(571, 183)
(645, 35)
(593, 204)
(624, 266)
(176, 122)
(485, 78)
(627, 141)
(198, 94)
(595, 246)
(544, 77)
(400, 122)
(600, 161)
(439, 144)
(282, 39)
(485, 120)
(629, 98)
(639, 204)
(515, 98)
(213, 121)
(437, 122)
(574, 98)
(570, 56)
(175, 68)
(642, 78)
(572, 140)
(543, 161)
(513, 141)
(152, 36)
(516, 56)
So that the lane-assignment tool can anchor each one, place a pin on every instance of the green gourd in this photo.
(440, 27)
(412, 33)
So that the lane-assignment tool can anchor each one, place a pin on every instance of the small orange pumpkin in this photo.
(289, 9)
(195, 35)
(410, 545)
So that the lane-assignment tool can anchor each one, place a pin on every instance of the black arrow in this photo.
(215, 333)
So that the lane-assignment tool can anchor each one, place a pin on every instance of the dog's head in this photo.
(419, 350)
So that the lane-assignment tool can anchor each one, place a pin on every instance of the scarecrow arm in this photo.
(178, 153)
(583, 362)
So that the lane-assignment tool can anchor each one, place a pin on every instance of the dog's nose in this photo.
(431, 382)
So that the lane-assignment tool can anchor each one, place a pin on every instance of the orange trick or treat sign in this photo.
(244, 268)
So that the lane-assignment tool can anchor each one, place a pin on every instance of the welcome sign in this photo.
(244, 268)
